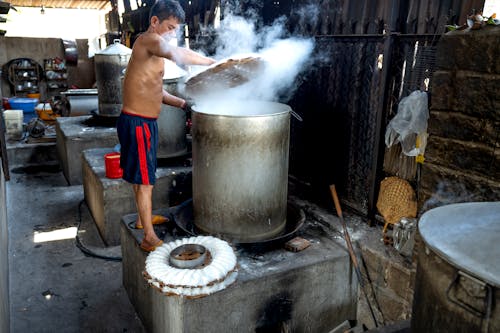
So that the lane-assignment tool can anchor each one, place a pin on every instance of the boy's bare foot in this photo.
(155, 219)
(149, 246)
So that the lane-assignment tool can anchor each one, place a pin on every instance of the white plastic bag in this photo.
(409, 126)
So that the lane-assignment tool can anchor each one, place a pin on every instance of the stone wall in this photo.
(463, 151)
(390, 282)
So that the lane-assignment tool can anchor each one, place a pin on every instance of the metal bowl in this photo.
(188, 256)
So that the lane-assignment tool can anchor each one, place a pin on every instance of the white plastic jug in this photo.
(13, 123)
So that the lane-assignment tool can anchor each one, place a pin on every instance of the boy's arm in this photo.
(170, 99)
(180, 55)
(189, 57)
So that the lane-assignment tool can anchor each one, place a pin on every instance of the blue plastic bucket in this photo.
(22, 103)
(26, 104)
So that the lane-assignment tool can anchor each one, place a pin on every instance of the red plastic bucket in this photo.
(112, 165)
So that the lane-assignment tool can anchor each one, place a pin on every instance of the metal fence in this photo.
(346, 100)
(340, 17)
(369, 55)
(339, 101)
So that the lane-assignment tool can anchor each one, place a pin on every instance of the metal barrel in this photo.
(172, 141)
(109, 65)
(458, 272)
(240, 169)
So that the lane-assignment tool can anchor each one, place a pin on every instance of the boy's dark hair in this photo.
(164, 9)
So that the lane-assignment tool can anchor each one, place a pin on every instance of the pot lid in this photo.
(116, 49)
(241, 108)
(466, 235)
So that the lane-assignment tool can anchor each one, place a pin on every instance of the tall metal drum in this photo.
(109, 65)
(240, 169)
(458, 273)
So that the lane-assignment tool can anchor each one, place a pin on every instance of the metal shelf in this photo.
(19, 82)
(61, 82)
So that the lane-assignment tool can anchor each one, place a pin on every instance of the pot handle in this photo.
(478, 292)
(296, 115)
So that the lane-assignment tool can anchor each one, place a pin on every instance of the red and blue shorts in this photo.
(138, 137)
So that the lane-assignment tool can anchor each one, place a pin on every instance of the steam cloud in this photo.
(448, 193)
(284, 57)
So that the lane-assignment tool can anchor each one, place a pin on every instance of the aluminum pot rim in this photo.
(285, 109)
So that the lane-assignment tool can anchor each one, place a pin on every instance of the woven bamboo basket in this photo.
(396, 199)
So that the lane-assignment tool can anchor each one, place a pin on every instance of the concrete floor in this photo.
(54, 286)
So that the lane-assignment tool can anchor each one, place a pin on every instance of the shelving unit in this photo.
(56, 75)
(24, 75)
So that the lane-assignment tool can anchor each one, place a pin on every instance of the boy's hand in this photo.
(186, 106)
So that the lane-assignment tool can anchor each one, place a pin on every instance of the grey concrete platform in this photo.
(110, 199)
(73, 137)
(276, 290)
(26, 154)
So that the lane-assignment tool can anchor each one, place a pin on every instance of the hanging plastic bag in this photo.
(409, 126)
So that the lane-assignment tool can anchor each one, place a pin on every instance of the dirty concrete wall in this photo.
(81, 75)
(463, 156)
(4, 259)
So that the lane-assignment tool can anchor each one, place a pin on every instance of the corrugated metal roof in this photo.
(73, 4)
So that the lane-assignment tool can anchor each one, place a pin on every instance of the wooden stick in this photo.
(350, 249)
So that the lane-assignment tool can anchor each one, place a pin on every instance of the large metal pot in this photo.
(109, 65)
(458, 273)
(81, 101)
(240, 169)
(172, 140)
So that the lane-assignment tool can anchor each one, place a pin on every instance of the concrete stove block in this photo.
(314, 290)
(109, 199)
(73, 137)
(32, 154)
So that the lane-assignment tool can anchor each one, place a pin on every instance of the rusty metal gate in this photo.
(353, 87)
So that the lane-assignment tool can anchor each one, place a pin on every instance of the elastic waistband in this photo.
(137, 115)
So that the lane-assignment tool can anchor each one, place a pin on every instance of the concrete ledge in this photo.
(309, 291)
(73, 137)
(28, 154)
(109, 199)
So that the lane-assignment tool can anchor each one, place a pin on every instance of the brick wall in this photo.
(392, 284)
(463, 156)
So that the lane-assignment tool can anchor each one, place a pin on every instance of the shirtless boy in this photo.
(143, 95)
